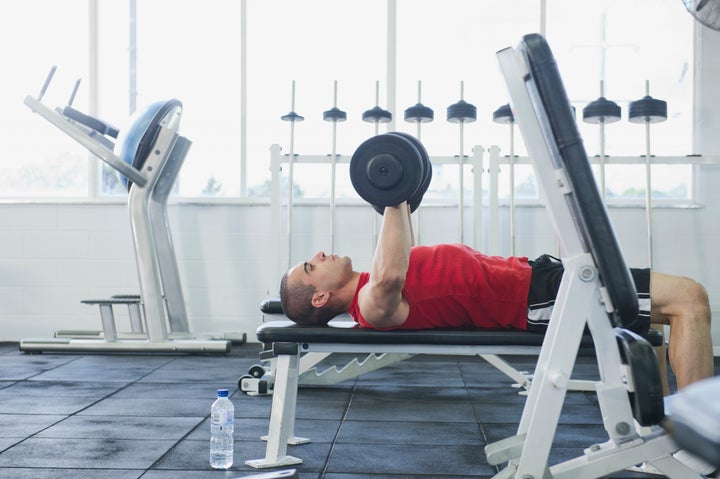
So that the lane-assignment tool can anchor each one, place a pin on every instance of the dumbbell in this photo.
(388, 169)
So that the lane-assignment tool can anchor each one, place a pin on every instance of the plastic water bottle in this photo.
(222, 418)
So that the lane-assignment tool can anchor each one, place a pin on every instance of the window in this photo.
(443, 44)
(148, 50)
(315, 43)
(187, 50)
(607, 42)
(38, 160)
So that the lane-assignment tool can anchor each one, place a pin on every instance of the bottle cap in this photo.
(222, 393)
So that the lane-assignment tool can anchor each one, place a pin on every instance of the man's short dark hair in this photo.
(296, 302)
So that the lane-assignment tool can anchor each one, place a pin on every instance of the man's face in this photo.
(325, 272)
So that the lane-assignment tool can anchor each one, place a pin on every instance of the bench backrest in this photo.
(588, 209)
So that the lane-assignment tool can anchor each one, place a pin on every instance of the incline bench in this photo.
(596, 291)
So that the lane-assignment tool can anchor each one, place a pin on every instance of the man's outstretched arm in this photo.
(381, 301)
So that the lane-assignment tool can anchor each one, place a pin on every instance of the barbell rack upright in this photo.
(292, 118)
(602, 111)
(648, 110)
(419, 114)
(333, 115)
(504, 115)
(461, 113)
(376, 115)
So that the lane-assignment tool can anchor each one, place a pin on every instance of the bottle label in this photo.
(217, 417)
(222, 417)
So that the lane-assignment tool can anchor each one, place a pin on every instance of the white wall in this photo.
(54, 255)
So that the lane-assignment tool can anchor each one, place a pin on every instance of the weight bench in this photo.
(294, 352)
(596, 291)
(260, 378)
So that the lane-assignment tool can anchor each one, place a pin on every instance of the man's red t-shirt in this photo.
(454, 286)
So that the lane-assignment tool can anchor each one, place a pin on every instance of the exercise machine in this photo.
(149, 158)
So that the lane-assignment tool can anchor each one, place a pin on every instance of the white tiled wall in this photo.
(54, 255)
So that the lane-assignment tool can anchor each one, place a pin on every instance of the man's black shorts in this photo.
(545, 280)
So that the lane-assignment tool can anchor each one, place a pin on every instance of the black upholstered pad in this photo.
(694, 420)
(346, 332)
(271, 306)
(588, 208)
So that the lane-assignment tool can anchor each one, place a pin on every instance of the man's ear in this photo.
(320, 298)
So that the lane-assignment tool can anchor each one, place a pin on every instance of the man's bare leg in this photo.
(683, 304)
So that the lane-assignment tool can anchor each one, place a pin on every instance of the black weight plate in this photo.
(603, 110)
(461, 112)
(419, 113)
(416, 198)
(384, 170)
(647, 109)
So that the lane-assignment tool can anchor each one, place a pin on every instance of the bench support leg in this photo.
(108, 322)
(282, 416)
(603, 459)
(136, 321)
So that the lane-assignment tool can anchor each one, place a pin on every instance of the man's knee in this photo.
(702, 300)
(678, 297)
(695, 298)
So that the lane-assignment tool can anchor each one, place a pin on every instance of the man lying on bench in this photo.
(454, 286)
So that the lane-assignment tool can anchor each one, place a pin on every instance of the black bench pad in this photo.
(346, 332)
(271, 306)
(350, 333)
